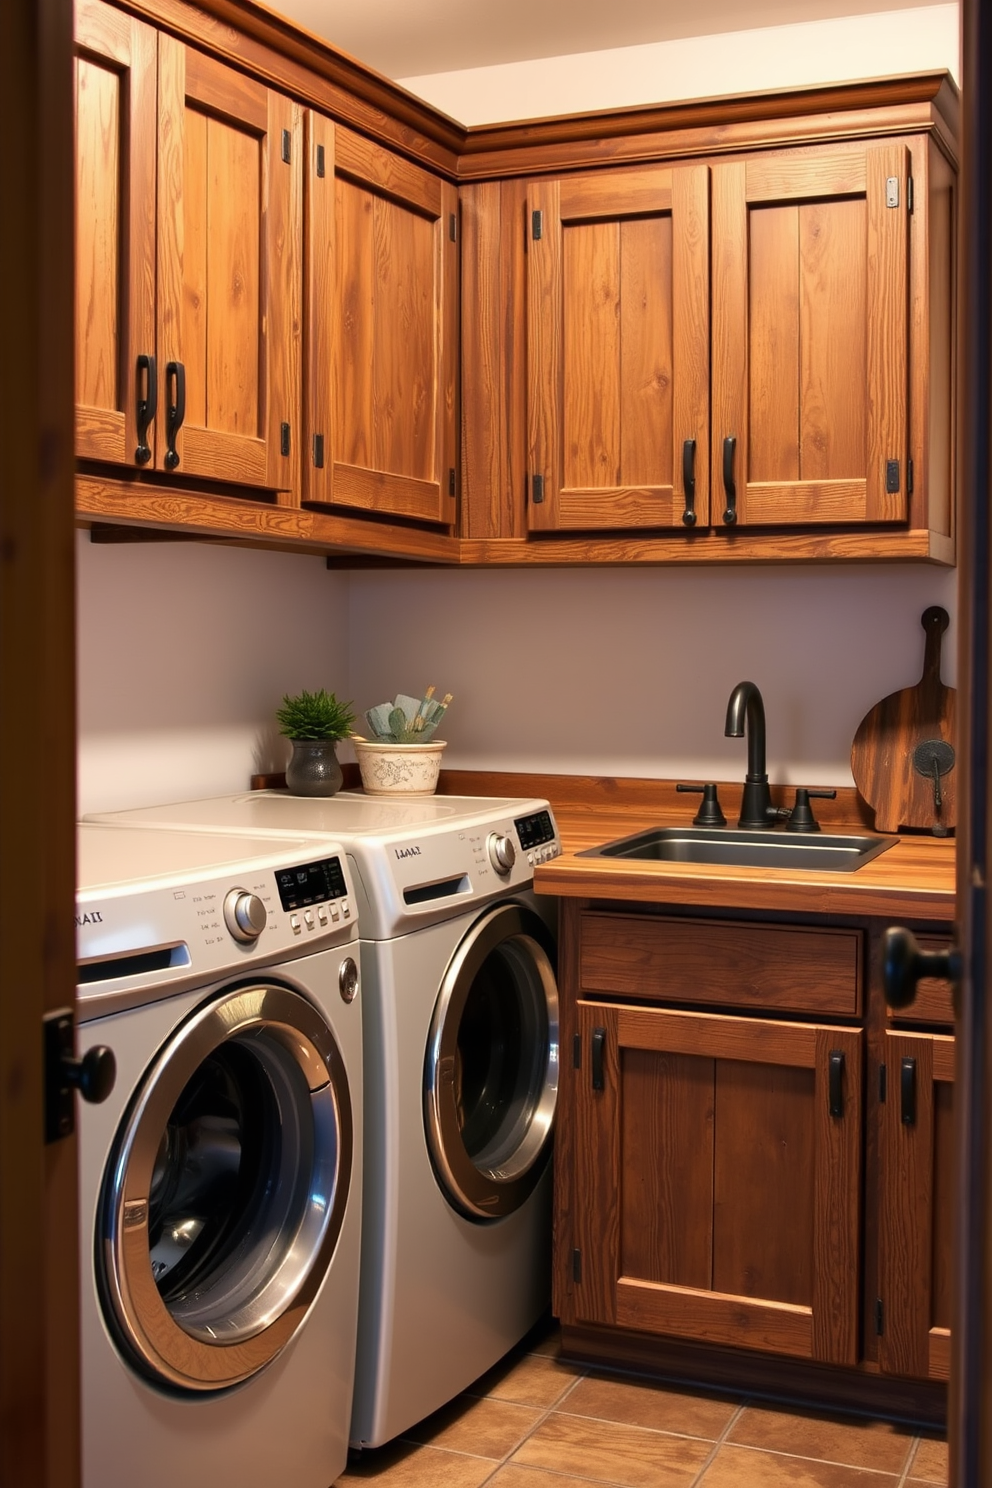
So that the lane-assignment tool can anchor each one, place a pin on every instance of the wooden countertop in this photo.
(913, 880)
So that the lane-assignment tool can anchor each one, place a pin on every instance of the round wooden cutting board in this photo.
(899, 743)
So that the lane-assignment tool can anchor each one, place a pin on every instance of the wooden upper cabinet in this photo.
(618, 350)
(381, 321)
(717, 1179)
(811, 326)
(229, 272)
(115, 229)
(916, 1205)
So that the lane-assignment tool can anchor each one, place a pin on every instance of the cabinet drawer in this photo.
(774, 967)
(934, 1001)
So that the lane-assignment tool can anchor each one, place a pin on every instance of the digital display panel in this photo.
(535, 830)
(311, 883)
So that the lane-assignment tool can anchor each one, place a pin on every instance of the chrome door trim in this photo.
(283, 1031)
(489, 1192)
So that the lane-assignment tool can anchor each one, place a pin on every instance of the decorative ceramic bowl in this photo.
(400, 769)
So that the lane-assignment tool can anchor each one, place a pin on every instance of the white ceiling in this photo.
(404, 39)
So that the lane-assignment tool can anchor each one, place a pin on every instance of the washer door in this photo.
(225, 1192)
(491, 1071)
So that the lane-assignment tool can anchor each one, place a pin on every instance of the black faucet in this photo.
(746, 707)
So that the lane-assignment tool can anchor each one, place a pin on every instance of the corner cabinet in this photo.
(381, 330)
(189, 245)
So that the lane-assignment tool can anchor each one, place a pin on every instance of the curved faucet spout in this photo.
(746, 711)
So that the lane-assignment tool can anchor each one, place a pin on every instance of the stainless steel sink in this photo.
(729, 847)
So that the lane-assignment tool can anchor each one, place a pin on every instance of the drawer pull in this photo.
(598, 1046)
(147, 403)
(836, 1082)
(175, 410)
(689, 481)
(907, 1091)
(729, 484)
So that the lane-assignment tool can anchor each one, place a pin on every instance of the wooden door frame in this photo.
(39, 1309)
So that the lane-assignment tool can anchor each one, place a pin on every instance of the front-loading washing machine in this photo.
(220, 1182)
(461, 1075)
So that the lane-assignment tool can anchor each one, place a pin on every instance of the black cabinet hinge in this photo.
(318, 451)
(453, 228)
(577, 1267)
(909, 477)
(451, 482)
(879, 1317)
(537, 489)
(284, 439)
(577, 1051)
(320, 161)
(883, 1082)
(287, 146)
(536, 225)
(892, 477)
(909, 194)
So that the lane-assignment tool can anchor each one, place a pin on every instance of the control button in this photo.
(322, 915)
(244, 915)
(502, 853)
(308, 918)
(294, 921)
(348, 979)
(345, 909)
(335, 913)
(530, 859)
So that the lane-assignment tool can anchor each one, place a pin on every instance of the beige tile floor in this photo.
(536, 1422)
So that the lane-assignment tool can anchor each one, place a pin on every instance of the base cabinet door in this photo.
(618, 350)
(811, 324)
(381, 331)
(916, 1205)
(717, 1179)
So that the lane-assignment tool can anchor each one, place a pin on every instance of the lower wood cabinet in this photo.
(717, 1179)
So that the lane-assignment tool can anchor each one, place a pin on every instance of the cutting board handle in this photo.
(935, 621)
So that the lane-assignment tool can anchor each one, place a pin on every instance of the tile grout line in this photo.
(539, 1422)
(909, 1461)
(718, 1444)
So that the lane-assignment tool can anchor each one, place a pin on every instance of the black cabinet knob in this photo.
(93, 1075)
(906, 963)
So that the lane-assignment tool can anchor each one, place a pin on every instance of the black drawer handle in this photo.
(598, 1047)
(907, 1091)
(689, 481)
(147, 404)
(729, 484)
(175, 409)
(835, 1069)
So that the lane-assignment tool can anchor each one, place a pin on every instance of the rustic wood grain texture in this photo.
(195, 217)
(763, 1185)
(882, 753)
(837, 1200)
(716, 545)
(833, 369)
(646, 373)
(888, 331)
(115, 90)
(483, 360)
(389, 173)
(774, 366)
(447, 239)
(731, 334)
(613, 195)
(691, 332)
(666, 1159)
(225, 93)
(281, 342)
(805, 173)
(906, 1212)
(932, 372)
(320, 304)
(170, 234)
(718, 1036)
(353, 325)
(590, 403)
(597, 1176)
(774, 968)
(712, 1317)
(545, 348)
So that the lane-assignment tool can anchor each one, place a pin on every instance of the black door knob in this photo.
(906, 962)
(93, 1075)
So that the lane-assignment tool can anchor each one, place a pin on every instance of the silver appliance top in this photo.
(414, 862)
(158, 911)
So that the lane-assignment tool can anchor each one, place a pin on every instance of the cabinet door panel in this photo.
(229, 232)
(917, 1205)
(115, 227)
(618, 329)
(811, 327)
(381, 328)
(718, 1179)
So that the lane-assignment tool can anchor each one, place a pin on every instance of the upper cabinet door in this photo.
(381, 329)
(229, 273)
(811, 336)
(618, 350)
(115, 233)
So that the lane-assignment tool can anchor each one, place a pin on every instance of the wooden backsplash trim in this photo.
(613, 792)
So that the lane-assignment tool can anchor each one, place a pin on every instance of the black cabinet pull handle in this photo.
(175, 409)
(598, 1046)
(906, 963)
(689, 481)
(729, 485)
(835, 1069)
(907, 1091)
(147, 405)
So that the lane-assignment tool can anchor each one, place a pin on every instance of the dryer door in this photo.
(491, 1070)
(224, 1195)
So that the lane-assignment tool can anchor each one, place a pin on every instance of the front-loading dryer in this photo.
(220, 1183)
(461, 1075)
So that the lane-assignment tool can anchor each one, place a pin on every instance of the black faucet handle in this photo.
(709, 813)
(801, 818)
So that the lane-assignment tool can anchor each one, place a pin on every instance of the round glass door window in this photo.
(225, 1193)
(491, 1070)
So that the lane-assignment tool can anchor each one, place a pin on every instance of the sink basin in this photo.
(729, 847)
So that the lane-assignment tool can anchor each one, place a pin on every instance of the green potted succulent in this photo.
(314, 722)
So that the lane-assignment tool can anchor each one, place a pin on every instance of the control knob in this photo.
(502, 853)
(244, 915)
